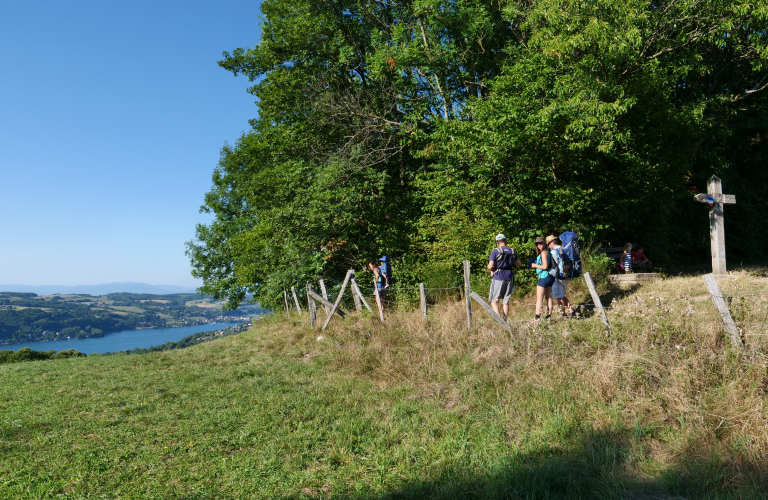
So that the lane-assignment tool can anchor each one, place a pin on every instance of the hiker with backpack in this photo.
(380, 279)
(543, 265)
(501, 265)
(562, 267)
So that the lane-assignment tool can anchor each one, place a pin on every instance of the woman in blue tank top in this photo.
(544, 286)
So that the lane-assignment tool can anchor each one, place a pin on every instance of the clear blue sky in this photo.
(112, 115)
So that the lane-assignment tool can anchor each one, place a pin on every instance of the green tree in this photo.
(421, 129)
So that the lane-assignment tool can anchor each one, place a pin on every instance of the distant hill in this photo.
(104, 289)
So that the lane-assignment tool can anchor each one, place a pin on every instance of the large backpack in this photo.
(503, 258)
(386, 268)
(570, 253)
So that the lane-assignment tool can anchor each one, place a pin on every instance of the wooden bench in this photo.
(632, 278)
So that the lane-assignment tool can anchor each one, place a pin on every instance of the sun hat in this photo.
(500, 236)
(541, 240)
(552, 238)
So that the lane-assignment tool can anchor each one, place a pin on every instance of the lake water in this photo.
(121, 341)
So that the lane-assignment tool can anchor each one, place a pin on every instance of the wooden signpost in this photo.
(716, 199)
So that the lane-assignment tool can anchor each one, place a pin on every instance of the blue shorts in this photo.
(546, 282)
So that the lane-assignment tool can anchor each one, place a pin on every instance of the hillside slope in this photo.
(412, 408)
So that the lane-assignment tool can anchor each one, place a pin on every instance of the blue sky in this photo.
(112, 116)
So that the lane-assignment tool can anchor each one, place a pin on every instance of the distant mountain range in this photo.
(98, 289)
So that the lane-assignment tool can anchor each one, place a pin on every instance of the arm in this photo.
(518, 263)
(491, 264)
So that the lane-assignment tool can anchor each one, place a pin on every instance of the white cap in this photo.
(500, 237)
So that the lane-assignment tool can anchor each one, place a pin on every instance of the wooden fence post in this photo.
(722, 308)
(311, 306)
(356, 290)
(596, 300)
(467, 294)
(296, 299)
(338, 299)
(490, 310)
(355, 297)
(423, 304)
(378, 304)
(325, 296)
(285, 298)
(326, 303)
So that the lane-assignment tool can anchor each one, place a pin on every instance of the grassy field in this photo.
(132, 309)
(662, 408)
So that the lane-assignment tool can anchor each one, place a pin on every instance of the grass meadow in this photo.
(413, 408)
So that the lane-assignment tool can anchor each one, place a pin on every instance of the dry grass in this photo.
(666, 372)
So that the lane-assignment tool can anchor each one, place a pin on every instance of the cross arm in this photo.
(726, 199)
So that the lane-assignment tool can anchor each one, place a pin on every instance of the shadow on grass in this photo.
(595, 467)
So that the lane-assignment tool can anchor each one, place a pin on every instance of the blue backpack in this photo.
(386, 268)
(571, 255)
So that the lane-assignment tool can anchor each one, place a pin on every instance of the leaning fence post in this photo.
(285, 298)
(596, 300)
(296, 299)
(356, 290)
(423, 304)
(311, 306)
(358, 307)
(490, 310)
(325, 296)
(338, 299)
(467, 293)
(717, 298)
(378, 304)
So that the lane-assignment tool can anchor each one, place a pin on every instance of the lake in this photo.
(121, 341)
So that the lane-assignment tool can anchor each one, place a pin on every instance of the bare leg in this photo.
(540, 293)
(506, 311)
(564, 302)
(549, 301)
(495, 307)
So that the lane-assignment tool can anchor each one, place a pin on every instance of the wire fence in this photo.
(403, 300)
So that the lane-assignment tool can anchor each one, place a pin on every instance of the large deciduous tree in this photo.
(422, 128)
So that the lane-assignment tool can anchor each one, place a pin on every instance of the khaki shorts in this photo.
(559, 288)
(501, 291)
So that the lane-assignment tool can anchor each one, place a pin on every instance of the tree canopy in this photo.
(421, 129)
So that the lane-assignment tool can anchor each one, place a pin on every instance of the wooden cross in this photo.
(716, 199)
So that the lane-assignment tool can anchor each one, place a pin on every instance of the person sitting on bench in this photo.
(639, 260)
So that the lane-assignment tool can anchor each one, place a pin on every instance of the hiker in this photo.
(639, 260)
(501, 265)
(626, 258)
(562, 266)
(380, 282)
(544, 286)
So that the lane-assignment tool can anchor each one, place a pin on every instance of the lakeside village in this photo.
(26, 317)
(218, 319)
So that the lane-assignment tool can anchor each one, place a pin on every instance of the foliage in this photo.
(27, 354)
(422, 129)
